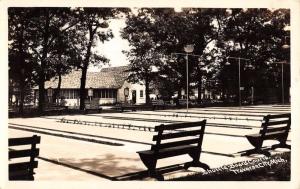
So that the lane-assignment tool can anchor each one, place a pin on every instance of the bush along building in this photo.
(107, 87)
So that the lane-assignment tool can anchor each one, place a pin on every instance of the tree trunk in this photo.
(147, 91)
(21, 61)
(82, 91)
(22, 94)
(41, 81)
(84, 69)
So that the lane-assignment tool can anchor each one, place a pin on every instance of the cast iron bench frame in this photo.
(23, 170)
(271, 129)
(161, 150)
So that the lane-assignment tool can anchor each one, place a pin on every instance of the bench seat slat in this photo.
(23, 165)
(23, 153)
(24, 141)
(169, 152)
(267, 135)
(177, 135)
(255, 139)
(180, 125)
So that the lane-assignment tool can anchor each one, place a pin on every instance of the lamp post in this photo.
(188, 49)
(282, 83)
(285, 45)
(239, 64)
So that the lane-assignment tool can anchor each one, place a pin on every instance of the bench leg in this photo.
(195, 163)
(256, 151)
(280, 145)
(156, 175)
(150, 163)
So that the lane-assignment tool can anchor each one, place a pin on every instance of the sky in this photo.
(112, 49)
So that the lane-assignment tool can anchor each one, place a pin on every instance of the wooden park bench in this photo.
(172, 140)
(273, 127)
(182, 102)
(92, 105)
(123, 107)
(23, 170)
(157, 104)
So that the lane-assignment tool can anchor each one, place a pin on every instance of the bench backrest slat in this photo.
(276, 116)
(23, 153)
(177, 134)
(176, 143)
(24, 141)
(23, 165)
(180, 125)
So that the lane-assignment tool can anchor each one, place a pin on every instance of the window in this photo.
(69, 93)
(141, 93)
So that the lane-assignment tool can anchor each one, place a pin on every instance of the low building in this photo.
(109, 86)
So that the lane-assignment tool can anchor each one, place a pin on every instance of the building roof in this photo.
(107, 78)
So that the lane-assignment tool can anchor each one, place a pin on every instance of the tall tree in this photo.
(257, 35)
(170, 32)
(63, 59)
(143, 57)
(21, 63)
(45, 27)
(93, 25)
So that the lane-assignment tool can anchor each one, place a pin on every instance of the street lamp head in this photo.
(285, 46)
(189, 48)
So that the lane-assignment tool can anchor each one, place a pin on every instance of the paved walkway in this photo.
(85, 152)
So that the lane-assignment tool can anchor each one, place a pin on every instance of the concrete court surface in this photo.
(64, 158)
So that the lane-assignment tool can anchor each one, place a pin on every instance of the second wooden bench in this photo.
(23, 170)
(273, 127)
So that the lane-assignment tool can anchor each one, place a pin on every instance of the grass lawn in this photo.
(274, 168)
